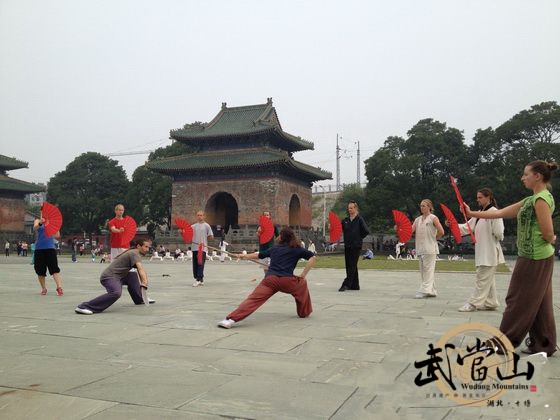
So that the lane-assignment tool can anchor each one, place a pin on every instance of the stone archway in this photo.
(221, 209)
(295, 209)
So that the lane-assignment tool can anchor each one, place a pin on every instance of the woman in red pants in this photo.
(279, 278)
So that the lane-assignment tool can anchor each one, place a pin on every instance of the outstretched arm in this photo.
(252, 256)
(509, 212)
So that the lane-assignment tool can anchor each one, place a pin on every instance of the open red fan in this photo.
(335, 227)
(266, 230)
(129, 233)
(453, 224)
(186, 230)
(53, 218)
(404, 226)
(462, 206)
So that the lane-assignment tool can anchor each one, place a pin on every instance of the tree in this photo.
(150, 192)
(404, 171)
(87, 191)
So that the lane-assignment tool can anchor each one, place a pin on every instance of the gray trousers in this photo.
(114, 287)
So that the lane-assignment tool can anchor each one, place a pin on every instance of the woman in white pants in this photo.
(487, 254)
(428, 229)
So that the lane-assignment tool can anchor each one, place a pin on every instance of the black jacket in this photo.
(354, 232)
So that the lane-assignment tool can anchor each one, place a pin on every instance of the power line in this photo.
(138, 152)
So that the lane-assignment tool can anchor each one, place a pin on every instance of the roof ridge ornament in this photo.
(224, 105)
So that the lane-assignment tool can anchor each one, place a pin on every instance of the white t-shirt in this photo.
(201, 232)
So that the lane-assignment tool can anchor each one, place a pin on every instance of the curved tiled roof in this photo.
(242, 121)
(235, 159)
(8, 163)
(11, 184)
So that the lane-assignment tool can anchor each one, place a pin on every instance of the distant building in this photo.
(12, 203)
(242, 165)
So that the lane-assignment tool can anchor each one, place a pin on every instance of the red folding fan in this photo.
(335, 227)
(453, 224)
(53, 218)
(267, 230)
(129, 233)
(462, 206)
(404, 226)
(186, 230)
(200, 254)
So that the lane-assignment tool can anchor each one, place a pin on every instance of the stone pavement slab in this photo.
(353, 358)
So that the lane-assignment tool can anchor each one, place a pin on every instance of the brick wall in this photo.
(12, 214)
(252, 196)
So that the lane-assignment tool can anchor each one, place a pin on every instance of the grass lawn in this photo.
(381, 263)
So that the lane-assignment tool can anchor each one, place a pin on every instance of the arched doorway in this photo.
(221, 209)
(295, 207)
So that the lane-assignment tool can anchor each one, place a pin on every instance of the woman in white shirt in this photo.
(428, 229)
(487, 254)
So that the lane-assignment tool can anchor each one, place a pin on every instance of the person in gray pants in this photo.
(118, 274)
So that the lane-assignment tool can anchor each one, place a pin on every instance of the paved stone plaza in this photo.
(352, 359)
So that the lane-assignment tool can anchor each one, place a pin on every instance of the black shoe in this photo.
(343, 288)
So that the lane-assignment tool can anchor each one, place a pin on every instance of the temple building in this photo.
(241, 165)
(12, 203)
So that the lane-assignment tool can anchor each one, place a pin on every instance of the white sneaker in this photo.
(467, 307)
(420, 295)
(83, 311)
(151, 301)
(196, 284)
(226, 323)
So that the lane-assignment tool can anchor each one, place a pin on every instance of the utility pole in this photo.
(358, 165)
(337, 164)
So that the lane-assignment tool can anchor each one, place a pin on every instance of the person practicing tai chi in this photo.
(117, 275)
(428, 229)
(487, 254)
(355, 230)
(529, 306)
(202, 233)
(45, 257)
(116, 227)
(279, 278)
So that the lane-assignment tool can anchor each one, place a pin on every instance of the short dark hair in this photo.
(140, 242)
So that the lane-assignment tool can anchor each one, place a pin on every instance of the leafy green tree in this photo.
(87, 191)
(150, 192)
(404, 171)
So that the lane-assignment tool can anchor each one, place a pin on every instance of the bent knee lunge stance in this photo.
(279, 278)
(118, 274)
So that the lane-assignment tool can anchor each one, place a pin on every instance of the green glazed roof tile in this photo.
(8, 163)
(241, 121)
(11, 184)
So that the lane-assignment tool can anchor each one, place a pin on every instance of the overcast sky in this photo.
(117, 75)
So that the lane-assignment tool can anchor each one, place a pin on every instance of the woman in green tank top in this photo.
(529, 307)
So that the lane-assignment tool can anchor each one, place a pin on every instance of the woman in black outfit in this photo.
(355, 230)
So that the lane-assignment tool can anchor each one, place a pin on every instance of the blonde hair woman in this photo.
(428, 229)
